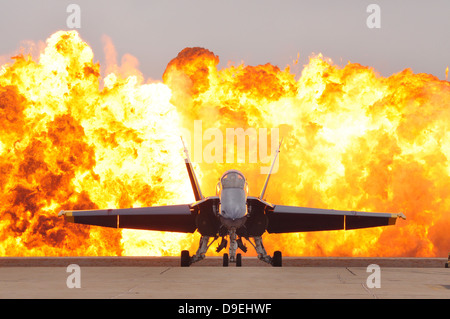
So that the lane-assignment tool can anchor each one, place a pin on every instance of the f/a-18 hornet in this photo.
(230, 214)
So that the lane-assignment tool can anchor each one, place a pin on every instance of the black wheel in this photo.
(225, 260)
(185, 258)
(276, 261)
(238, 260)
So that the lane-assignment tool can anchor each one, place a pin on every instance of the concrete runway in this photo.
(162, 278)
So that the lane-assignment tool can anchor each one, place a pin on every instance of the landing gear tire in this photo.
(238, 260)
(225, 260)
(276, 261)
(185, 258)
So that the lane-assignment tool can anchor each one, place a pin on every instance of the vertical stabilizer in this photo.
(270, 172)
(194, 182)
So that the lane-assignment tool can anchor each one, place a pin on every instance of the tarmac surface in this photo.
(163, 278)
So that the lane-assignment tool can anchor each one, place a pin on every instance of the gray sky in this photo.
(413, 34)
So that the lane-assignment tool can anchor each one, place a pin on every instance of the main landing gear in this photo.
(231, 257)
(276, 260)
(185, 258)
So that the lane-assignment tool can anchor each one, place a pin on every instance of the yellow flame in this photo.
(72, 139)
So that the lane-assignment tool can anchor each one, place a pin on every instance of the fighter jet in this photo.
(231, 214)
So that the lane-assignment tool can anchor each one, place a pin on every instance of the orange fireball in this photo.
(353, 140)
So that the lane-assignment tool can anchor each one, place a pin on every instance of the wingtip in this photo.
(61, 213)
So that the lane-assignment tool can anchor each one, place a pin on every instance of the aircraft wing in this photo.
(175, 218)
(286, 219)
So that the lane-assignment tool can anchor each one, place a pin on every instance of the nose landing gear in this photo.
(227, 260)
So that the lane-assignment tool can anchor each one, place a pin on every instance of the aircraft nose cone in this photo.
(232, 202)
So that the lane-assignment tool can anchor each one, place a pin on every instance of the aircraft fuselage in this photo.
(232, 190)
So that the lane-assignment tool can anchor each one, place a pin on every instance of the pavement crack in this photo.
(350, 271)
(165, 270)
(369, 291)
(128, 292)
